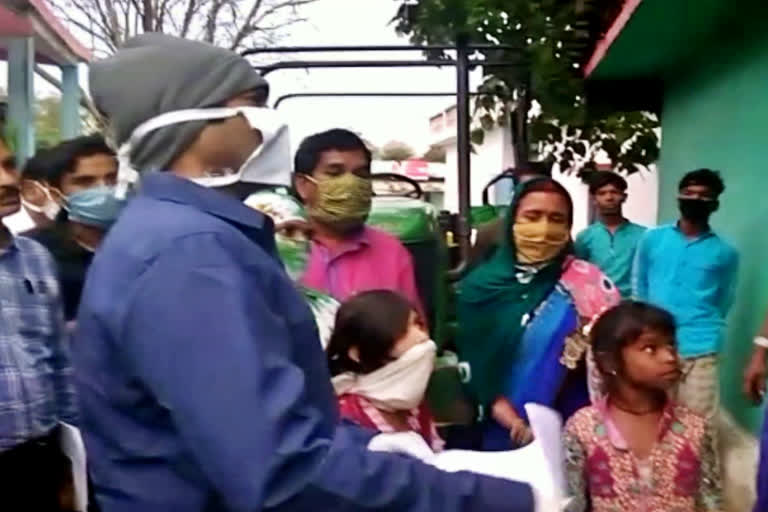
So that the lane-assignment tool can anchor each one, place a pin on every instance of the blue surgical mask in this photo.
(98, 207)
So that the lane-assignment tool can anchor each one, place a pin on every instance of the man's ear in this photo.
(304, 187)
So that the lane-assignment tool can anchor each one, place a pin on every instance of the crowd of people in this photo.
(228, 335)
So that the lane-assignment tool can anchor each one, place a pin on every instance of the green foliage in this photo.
(435, 154)
(549, 41)
(10, 136)
(396, 150)
(47, 131)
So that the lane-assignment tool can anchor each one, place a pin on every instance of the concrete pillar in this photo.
(69, 122)
(21, 95)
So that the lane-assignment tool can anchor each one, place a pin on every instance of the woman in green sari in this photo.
(521, 312)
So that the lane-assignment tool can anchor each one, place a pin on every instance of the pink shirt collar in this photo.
(352, 243)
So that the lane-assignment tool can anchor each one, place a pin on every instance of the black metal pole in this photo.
(290, 96)
(520, 131)
(383, 48)
(463, 227)
(268, 68)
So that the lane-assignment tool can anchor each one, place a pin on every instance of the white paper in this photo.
(539, 464)
(73, 447)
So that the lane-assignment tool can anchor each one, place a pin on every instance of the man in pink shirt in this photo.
(333, 178)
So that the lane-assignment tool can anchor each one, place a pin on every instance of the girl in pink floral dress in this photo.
(635, 449)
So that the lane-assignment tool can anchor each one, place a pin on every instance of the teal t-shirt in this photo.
(614, 253)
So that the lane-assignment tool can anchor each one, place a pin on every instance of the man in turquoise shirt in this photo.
(689, 270)
(610, 242)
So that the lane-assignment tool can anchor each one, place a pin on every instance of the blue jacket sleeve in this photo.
(202, 337)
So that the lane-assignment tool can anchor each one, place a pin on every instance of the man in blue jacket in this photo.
(202, 382)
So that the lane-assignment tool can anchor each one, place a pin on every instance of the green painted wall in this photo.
(716, 115)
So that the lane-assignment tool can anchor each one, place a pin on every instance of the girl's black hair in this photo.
(623, 324)
(371, 322)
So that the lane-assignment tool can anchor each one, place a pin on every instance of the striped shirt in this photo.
(35, 370)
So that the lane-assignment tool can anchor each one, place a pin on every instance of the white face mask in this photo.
(396, 386)
(265, 120)
(274, 164)
(50, 209)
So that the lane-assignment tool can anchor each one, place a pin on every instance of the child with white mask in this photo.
(381, 358)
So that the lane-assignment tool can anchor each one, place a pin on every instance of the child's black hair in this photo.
(371, 322)
(623, 324)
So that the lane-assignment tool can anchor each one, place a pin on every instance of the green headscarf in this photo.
(493, 304)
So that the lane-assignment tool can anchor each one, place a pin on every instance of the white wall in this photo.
(496, 154)
(489, 159)
(580, 196)
(642, 205)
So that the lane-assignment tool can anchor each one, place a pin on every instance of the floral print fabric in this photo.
(603, 472)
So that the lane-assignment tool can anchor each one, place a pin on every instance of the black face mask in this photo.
(697, 210)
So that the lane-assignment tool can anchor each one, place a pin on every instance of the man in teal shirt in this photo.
(611, 241)
(687, 269)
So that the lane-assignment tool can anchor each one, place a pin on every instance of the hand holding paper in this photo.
(539, 464)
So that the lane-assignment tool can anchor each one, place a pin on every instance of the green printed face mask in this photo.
(294, 253)
(342, 202)
(293, 245)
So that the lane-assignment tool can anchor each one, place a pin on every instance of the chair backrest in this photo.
(414, 222)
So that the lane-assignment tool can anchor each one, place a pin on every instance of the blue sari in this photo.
(536, 374)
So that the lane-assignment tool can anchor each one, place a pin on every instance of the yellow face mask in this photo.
(343, 202)
(539, 241)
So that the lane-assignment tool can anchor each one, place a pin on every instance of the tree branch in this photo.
(245, 28)
(98, 33)
(211, 19)
(279, 6)
(148, 16)
(188, 15)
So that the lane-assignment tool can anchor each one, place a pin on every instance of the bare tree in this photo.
(232, 24)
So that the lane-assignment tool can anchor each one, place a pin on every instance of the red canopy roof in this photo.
(54, 44)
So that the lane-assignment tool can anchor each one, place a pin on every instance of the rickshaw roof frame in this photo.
(462, 63)
(294, 95)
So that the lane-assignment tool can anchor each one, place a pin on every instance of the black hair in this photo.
(371, 322)
(538, 168)
(704, 177)
(602, 178)
(311, 148)
(38, 167)
(63, 158)
(622, 325)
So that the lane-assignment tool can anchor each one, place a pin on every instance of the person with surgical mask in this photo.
(688, 269)
(79, 193)
(38, 208)
(381, 358)
(201, 380)
(332, 176)
(521, 314)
